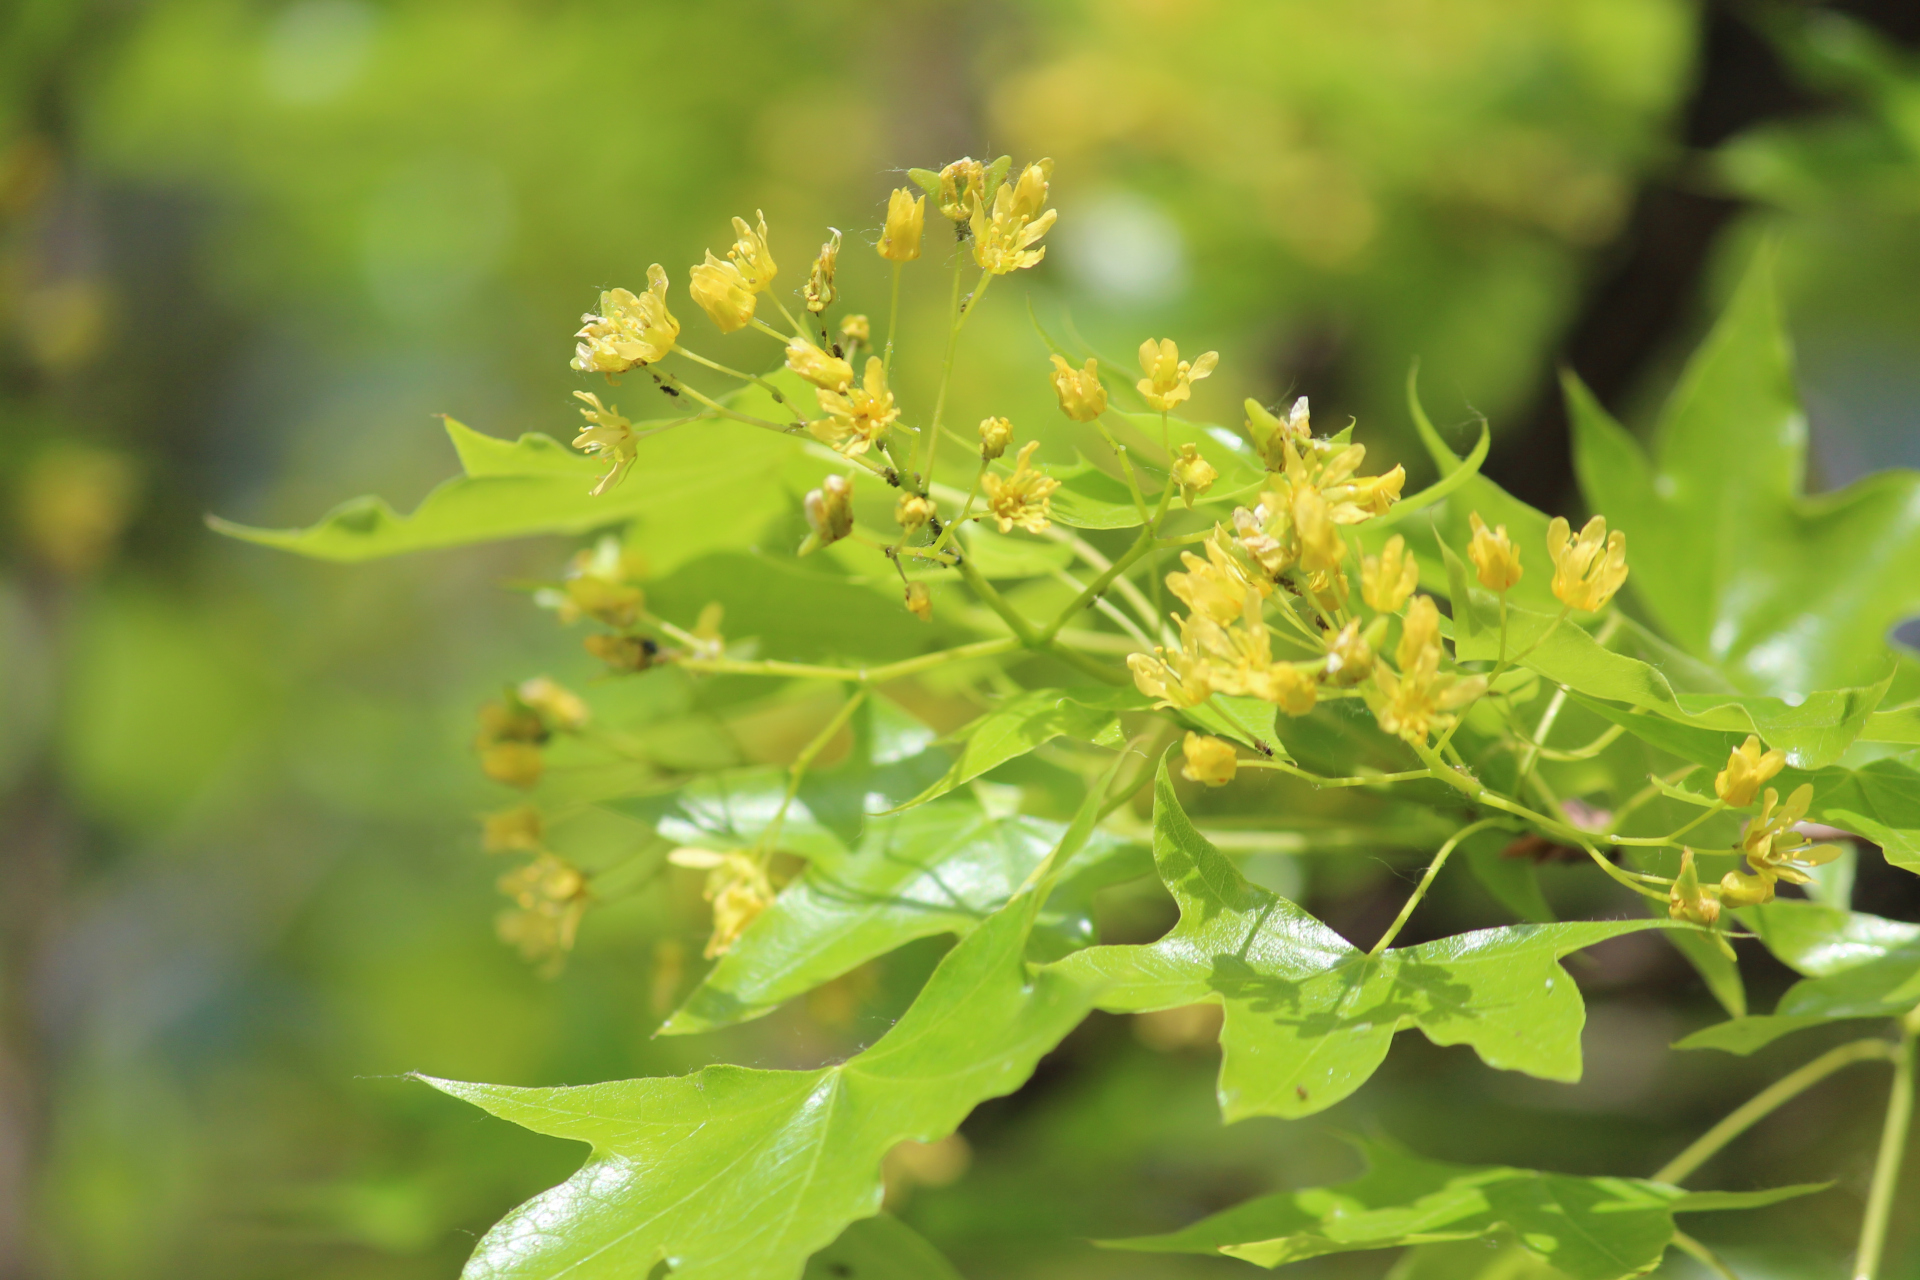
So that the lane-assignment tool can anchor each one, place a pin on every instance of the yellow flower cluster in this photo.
(629, 329)
(738, 888)
(514, 729)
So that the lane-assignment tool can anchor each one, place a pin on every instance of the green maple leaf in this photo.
(1309, 1017)
(1588, 1228)
(742, 1174)
(1786, 592)
(940, 868)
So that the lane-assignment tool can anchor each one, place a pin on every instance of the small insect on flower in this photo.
(920, 601)
(906, 218)
(608, 435)
(1170, 379)
(1208, 760)
(1193, 474)
(629, 330)
(1082, 398)
(1386, 580)
(1003, 238)
(1746, 772)
(819, 290)
(856, 421)
(1025, 498)
(1493, 555)
(829, 512)
(829, 373)
(995, 435)
(1587, 569)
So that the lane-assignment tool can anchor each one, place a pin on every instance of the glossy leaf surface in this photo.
(1588, 1228)
(1309, 1017)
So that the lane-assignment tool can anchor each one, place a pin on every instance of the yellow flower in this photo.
(738, 888)
(609, 435)
(1494, 555)
(1192, 473)
(856, 421)
(856, 329)
(550, 896)
(906, 217)
(995, 435)
(1171, 678)
(622, 653)
(913, 511)
(750, 254)
(1686, 900)
(1349, 655)
(1588, 569)
(830, 373)
(1321, 546)
(1025, 498)
(1217, 586)
(1746, 772)
(1268, 433)
(1170, 379)
(829, 512)
(1003, 239)
(1209, 760)
(1082, 398)
(1388, 579)
(723, 293)
(602, 584)
(1774, 847)
(629, 330)
(1418, 700)
(819, 292)
(1239, 660)
(518, 828)
(962, 183)
(558, 707)
(920, 601)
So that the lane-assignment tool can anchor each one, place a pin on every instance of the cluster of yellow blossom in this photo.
(1771, 842)
(515, 729)
(549, 893)
(737, 886)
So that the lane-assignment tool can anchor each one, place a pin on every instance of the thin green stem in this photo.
(1358, 780)
(966, 509)
(1765, 1103)
(1703, 1255)
(998, 603)
(1126, 469)
(893, 321)
(799, 330)
(801, 762)
(930, 443)
(779, 397)
(1420, 890)
(1587, 752)
(1893, 1145)
(1672, 837)
(859, 675)
(757, 323)
(1140, 547)
(721, 409)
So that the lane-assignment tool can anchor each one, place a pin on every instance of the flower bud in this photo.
(913, 511)
(995, 435)
(1082, 398)
(819, 291)
(1587, 569)
(1743, 890)
(830, 373)
(961, 183)
(1494, 555)
(1746, 772)
(1686, 900)
(1349, 656)
(518, 764)
(920, 601)
(1208, 760)
(856, 329)
(906, 216)
(1192, 473)
(1388, 579)
(510, 830)
(722, 292)
(829, 511)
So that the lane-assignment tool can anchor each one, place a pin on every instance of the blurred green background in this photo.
(247, 251)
